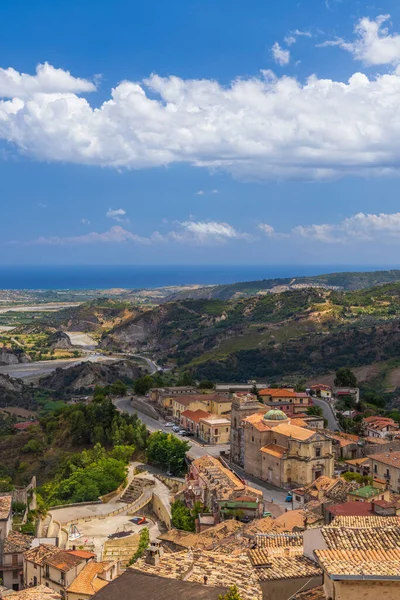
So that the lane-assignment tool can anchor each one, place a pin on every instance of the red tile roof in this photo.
(351, 509)
(195, 415)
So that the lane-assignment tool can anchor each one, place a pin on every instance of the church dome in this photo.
(275, 415)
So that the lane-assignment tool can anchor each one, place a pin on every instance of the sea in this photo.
(99, 277)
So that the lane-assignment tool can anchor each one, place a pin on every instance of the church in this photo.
(282, 453)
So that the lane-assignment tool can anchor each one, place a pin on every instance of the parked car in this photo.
(176, 428)
(182, 432)
(266, 513)
(289, 497)
(169, 424)
(189, 434)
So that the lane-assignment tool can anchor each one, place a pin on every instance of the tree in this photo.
(206, 384)
(144, 540)
(185, 379)
(182, 517)
(315, 411)
(345, 378)
(167, 451)
(118, 388)
(142, 385)
(232, 594)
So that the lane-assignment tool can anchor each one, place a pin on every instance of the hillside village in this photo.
(271, 503)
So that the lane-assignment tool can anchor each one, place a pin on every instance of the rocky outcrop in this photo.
(59, 341)
(87, 374)
(13, 357)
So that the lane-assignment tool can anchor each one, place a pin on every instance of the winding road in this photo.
(329, 415)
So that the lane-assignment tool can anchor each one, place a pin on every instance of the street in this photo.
(196, 449)
(333, 424)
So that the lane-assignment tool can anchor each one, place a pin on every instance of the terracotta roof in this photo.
(17, 542)
(364, 522)
(88, 582)
(221, 570)
(298, 433)
(366, 563)
(378, 538)
(207, 540)
(195, 415)
(282, 567)
(387, 458)
(39, 554)
(136, 585)
(296, 519)
(224, 483)
(39, 592)
(277, 393)
(264, 525)
(316, 593)
(257, 421)
(186, 400)
(360, 509)
(82, 554)
(377, 418)
(274, 450)
(358, 461)
(63, 560)
(279, 540)
(5, 507)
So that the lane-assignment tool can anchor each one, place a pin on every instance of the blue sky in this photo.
(200, 132)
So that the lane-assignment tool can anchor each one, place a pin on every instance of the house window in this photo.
(15, 560)
(375, 468)
(34, 580)
(252, 438)
(317, 452)
(227, 429)
(297, 498)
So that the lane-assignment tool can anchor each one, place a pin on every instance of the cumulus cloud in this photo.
(117, 214)
(207, 232)
(359, 227)
(47, 80)
(280, 55)
(373, 45)
(200, 193)
(258, 128)
(270, 232)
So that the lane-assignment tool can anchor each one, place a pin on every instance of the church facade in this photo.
(282, 453)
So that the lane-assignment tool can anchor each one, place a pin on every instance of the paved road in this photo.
(328, 413)
(196, 450)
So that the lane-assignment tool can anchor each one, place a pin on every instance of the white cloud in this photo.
(117, 214)
(115, 235)
(85, 221)
(293, 35)
(358, 227)
(259, 128)
(215, 191)
(207, 232)
(280, 56)
(374, 45)
(47, 80)
(270, 232)
(200, 193)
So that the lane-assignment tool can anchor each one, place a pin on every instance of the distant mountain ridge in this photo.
(336, 281)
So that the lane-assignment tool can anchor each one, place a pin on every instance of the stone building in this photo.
(284, 454)
(243, 405)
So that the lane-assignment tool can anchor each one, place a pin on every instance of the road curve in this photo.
(328, 413)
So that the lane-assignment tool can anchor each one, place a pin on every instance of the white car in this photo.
(169, 424)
